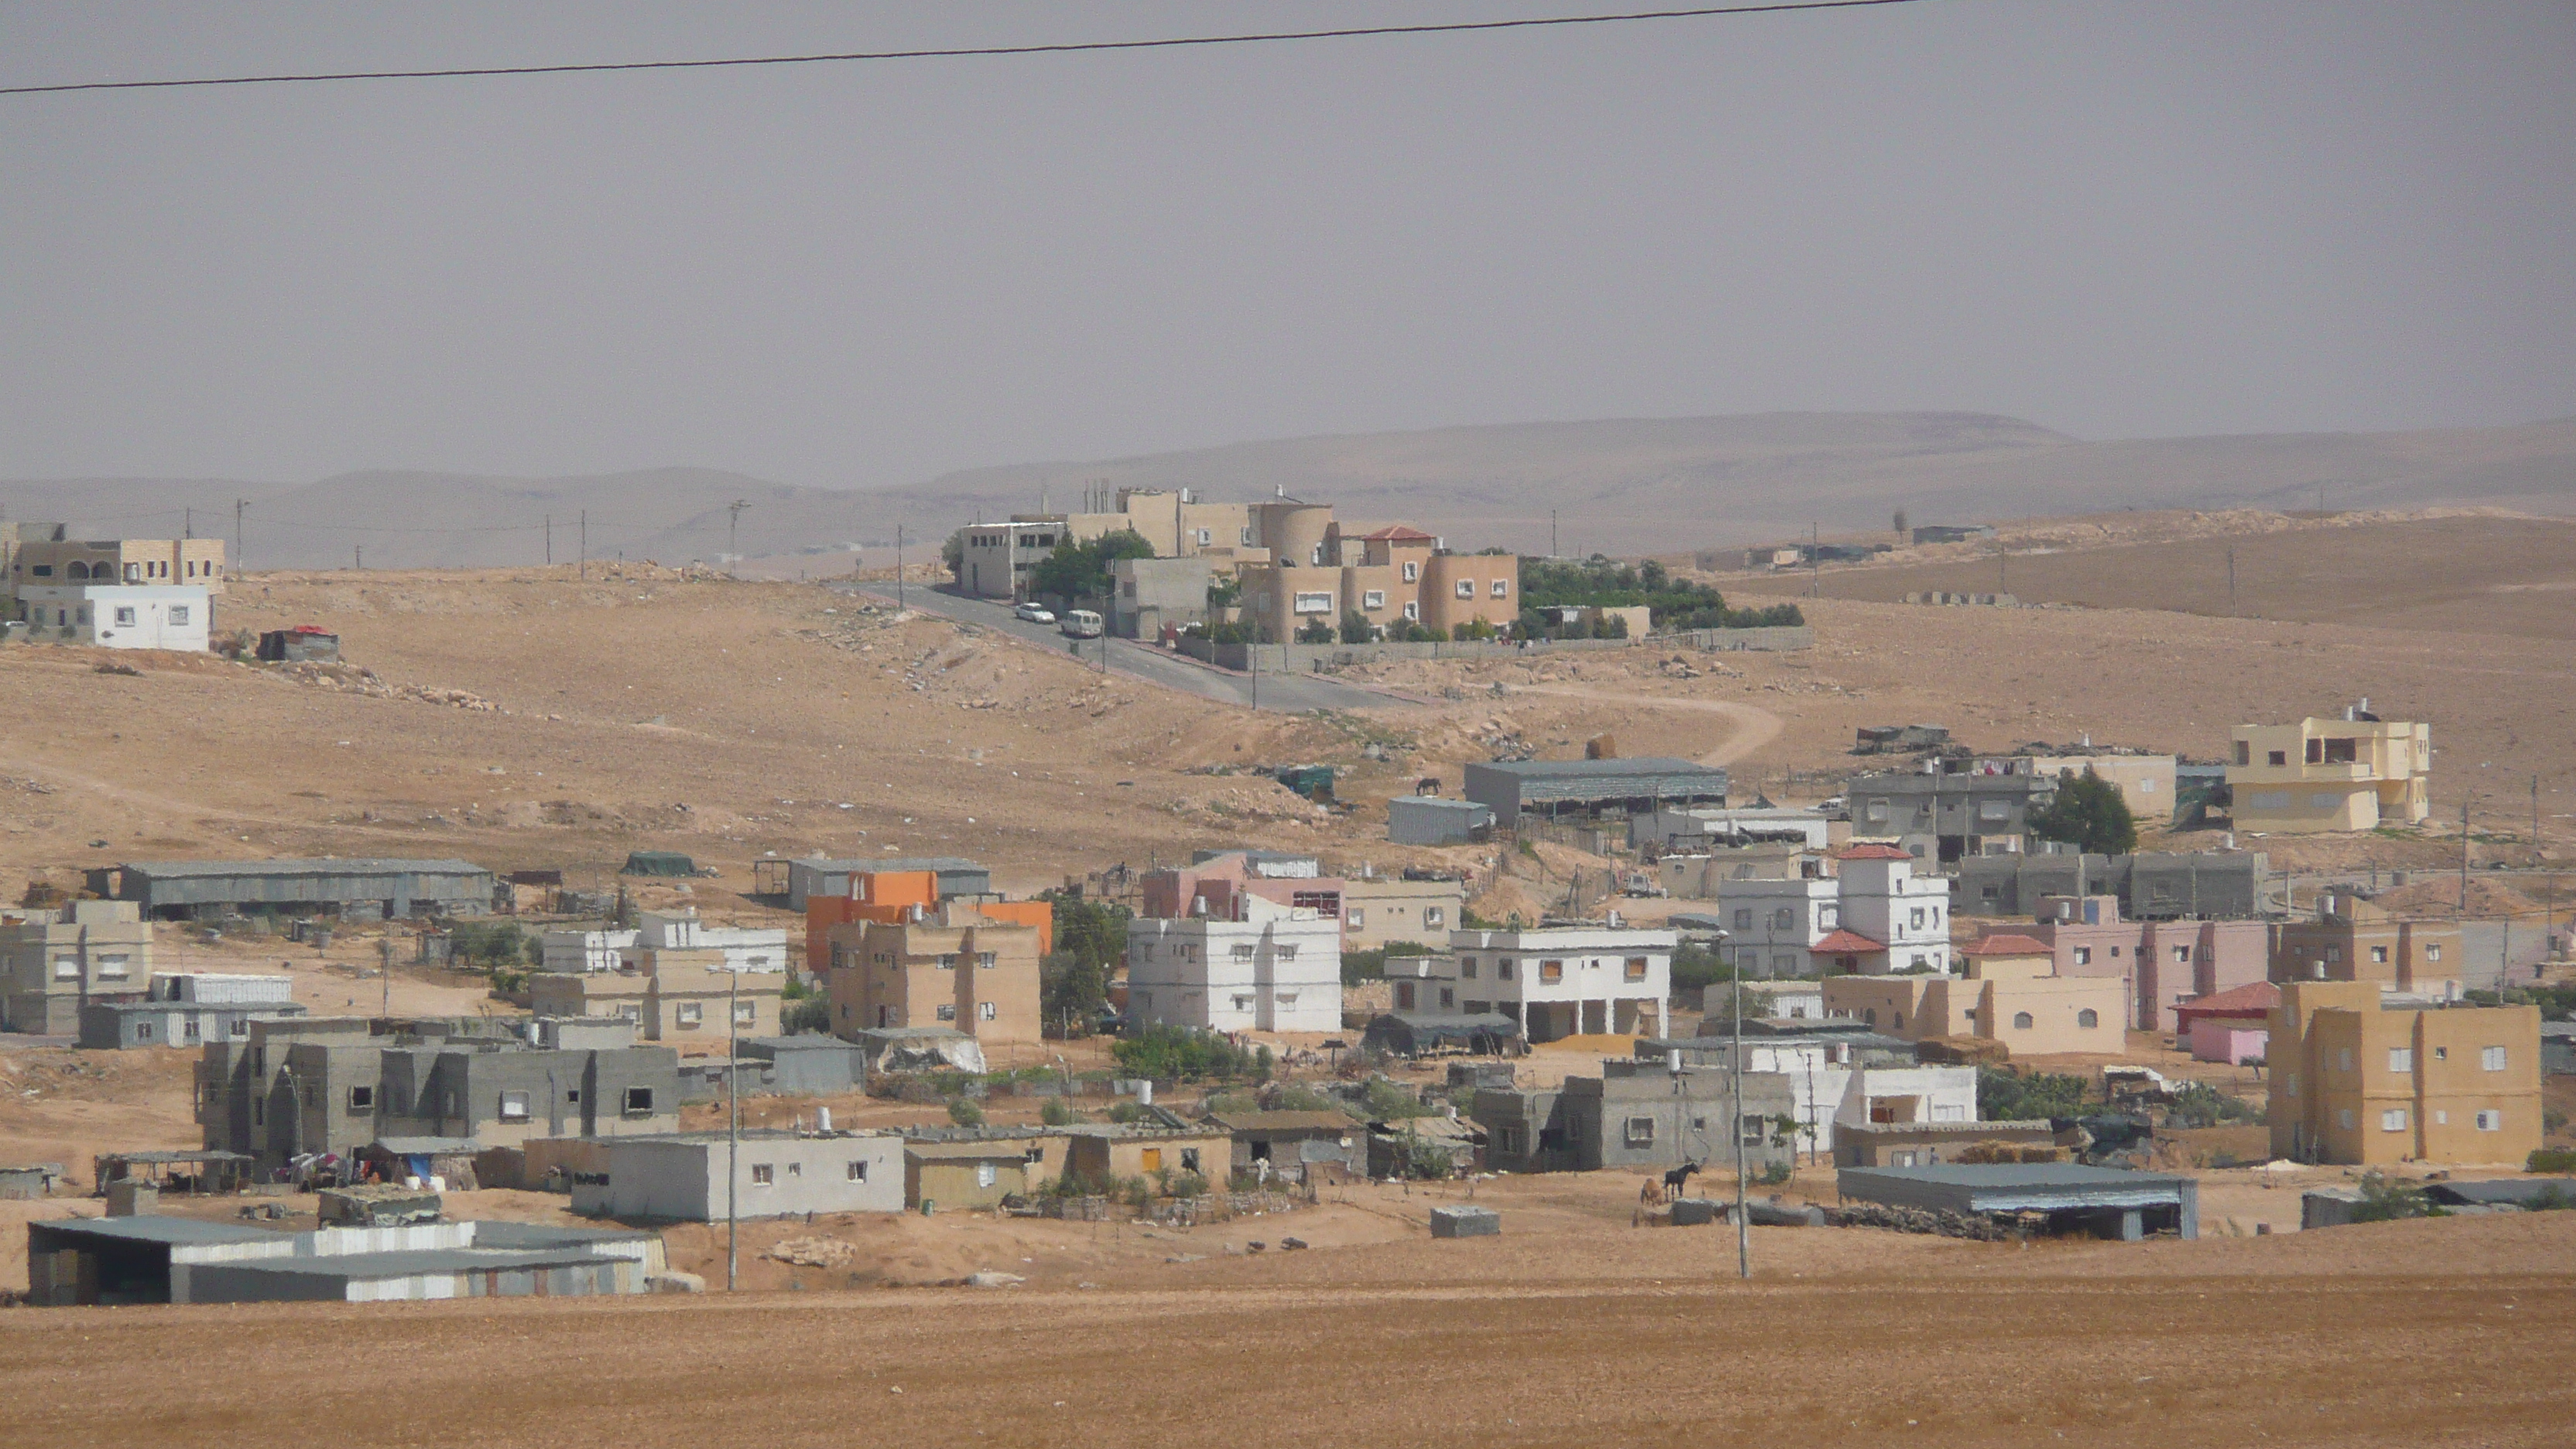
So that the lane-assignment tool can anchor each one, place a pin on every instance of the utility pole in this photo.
(362, 558)
(733, 534)
(1551, 533)
(1815, 565)
(583, 568)
(550, 540)
(733, 1131)
(191, 523)
(2464, 857)
(2231, 579)
(239, 506)
(1254, 654)
(898, 568)
(1735, 1108)
(385, 959)
(2003, 581)
(2536, 859)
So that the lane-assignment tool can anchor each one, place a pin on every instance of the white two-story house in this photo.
(1556, 982)
(1270, 967)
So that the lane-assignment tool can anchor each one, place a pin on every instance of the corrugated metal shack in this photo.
(818, 876)
(358, 888)
(1591, 788)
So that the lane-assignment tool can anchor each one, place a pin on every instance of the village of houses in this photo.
(1905, 1004)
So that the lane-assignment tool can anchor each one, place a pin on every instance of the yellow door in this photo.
(1153, 1159)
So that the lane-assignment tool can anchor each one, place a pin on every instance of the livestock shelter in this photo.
(658, 863)
(1591, 789)
(155, 1259)
(357, 887)
(2105, 1201)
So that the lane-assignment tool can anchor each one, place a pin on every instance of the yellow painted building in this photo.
(2324, 775)
(2355, 1082)
(2010, 994)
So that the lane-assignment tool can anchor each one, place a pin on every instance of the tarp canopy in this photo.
(1410, 1034)
(658, 862)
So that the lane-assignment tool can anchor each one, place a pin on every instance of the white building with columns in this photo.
(1556, 981)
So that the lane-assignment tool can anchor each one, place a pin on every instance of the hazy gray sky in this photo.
(2114, 219)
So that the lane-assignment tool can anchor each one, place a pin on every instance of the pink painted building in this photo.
(2165, 963)
(2234, 1026)
(1210, 887)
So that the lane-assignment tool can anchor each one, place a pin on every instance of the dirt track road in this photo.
(2431, 1332)
(1755, 726)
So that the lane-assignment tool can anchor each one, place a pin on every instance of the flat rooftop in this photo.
(348, 865)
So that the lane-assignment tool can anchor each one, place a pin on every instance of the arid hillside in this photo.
(529, 718)
(2481, 573)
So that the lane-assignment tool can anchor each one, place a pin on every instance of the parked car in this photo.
(1035, 613)
(1080, 624)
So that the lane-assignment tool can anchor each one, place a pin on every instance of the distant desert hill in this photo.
(1621, 486)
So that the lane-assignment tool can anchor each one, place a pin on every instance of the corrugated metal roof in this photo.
(350, 865)
(1599, 769)
(154, 1228)
(1985, 1175)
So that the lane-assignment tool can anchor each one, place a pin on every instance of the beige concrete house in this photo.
(2324, 775)
(954, 967)
(1379, 909)
(44, 553)
(2354, 938)
(2010, 994)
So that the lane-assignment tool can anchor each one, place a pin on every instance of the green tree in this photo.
(1315, 631)
(2089, 813)
(953, 554)
(1356, 628)
(1081, 570)
(1073, 980)
(1176, 1053)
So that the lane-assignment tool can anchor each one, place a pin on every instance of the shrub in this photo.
(1165, 1052)
(1356, 628)
(1315, 631)
(2385, 1201)
(812, 1014)
(1180, 1184)
(2551, 1199)
(2552, 1121)
(1387, 1102)
(1775, 1173)
(2009, 1097)
(1125, 1111)
(2199, 1104)
(964, 1112)
(1293, 1098)
(1055, 1113)
(2551, 1159)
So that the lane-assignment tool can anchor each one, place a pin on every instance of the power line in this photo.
(962, 52)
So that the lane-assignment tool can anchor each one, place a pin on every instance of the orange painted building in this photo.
(895, 896)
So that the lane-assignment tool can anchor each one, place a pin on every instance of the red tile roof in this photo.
(2255, 998)
(2007, 943)
(1846, 943)
(1873, 852)
(1398, 533)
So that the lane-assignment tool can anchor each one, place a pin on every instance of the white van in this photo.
(1080, 624)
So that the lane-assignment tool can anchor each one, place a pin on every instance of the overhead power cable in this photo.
(1359, 32)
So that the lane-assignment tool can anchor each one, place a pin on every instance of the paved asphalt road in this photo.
(1290, 694)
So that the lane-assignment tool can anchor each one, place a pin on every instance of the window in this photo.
(2492, 1059)
(1744, 918)
(986, 1011)
(2379, 953)
(2432, 953)
(2021, 1021)
(1751, 1128)
(2401, 1059)
(855, 1171)
(2334, 953)
(1373, 598)
(639, 1099)
(2115, 953)
(112, 968)
(689, 1014)
(1466, 968)
(67, 968)
(2344, 1119)
(1311, 604)
(178, 613)
(143, 1031)
(1917, 922)
(2290, 1084)
(1412, 609)
(1634, 970)
(763, 1175)
(1448, 999)
(1412, 570)
(948, 962)
(1640, 1132)
(1994, 810)
(2083, 955)
(1502, 968)
(1404, 996)
(2182, 953)
(1502, 588)
(362, 1099)
(1466, 588)
(1551, 972)
(1478, 1008)
(1435, 915)
(2441, 1054)
(124, 616)
(1206, 537)
(514, 1106)
(948, 1011)
(2491, 1121)
(1784, 919)
(2393, 1120)
(2276, 757)
(2244, 753)
(1243, 950)
(2088, 1018)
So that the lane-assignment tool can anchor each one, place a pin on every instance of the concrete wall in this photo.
(776, 1175)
